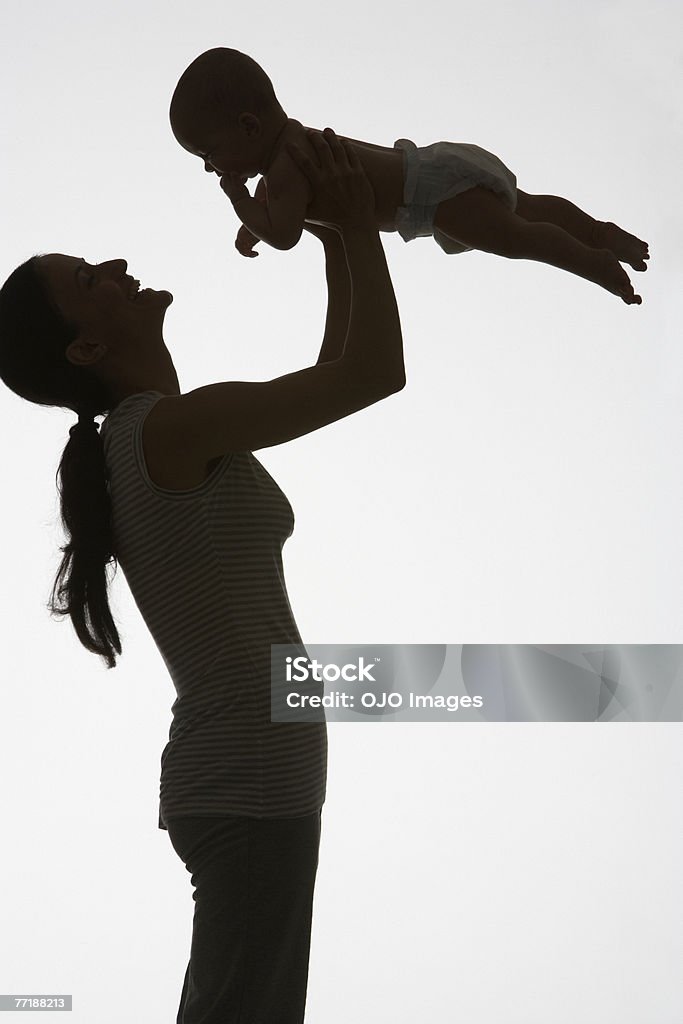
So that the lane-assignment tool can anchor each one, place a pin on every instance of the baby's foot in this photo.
(627, 248)
(612, 276)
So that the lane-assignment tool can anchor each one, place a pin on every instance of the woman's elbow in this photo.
(390, 385)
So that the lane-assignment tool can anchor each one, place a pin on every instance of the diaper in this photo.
(441, 171)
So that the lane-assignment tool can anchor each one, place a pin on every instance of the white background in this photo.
(524, 487)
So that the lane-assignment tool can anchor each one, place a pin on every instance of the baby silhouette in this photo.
(224, 110)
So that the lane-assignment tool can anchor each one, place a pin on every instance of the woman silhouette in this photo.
(170, 490)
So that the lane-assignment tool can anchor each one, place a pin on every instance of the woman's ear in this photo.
(85, 352)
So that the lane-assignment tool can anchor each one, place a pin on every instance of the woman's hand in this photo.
(342, 193)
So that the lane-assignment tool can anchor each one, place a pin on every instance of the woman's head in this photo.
(73, 336)
(80, 336)
(34, 337)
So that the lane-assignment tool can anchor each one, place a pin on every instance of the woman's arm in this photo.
(374, 343)
(338, 292)
(237, 416)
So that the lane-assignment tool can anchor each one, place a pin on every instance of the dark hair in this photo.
(33, 338)
(224, 82)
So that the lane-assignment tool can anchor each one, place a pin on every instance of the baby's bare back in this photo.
(382, 164)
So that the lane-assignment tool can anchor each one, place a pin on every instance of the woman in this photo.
(170, 490)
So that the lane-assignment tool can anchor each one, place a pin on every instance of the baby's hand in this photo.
(245, 242)
(234, 186)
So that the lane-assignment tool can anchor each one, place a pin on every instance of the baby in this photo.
(224, 110)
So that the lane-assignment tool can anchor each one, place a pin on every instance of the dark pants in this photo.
(251, 933)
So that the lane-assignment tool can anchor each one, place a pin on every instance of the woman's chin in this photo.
(159, 295)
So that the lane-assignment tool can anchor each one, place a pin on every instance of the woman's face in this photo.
(103, 299)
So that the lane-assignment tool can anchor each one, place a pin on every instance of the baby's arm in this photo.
(245, 240)
(280, 220)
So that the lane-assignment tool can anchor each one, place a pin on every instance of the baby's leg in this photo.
(597, 234)
(478, 219)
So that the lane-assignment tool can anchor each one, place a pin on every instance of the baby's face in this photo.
(222, 148)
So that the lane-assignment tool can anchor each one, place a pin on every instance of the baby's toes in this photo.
(630, 298)
(625, 287)
(645, 255)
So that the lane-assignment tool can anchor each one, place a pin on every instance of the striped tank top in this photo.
(204, 567)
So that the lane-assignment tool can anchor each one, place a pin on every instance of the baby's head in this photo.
(224, 110)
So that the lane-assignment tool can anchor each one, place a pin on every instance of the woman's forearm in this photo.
(338, 297)
(374, 343)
